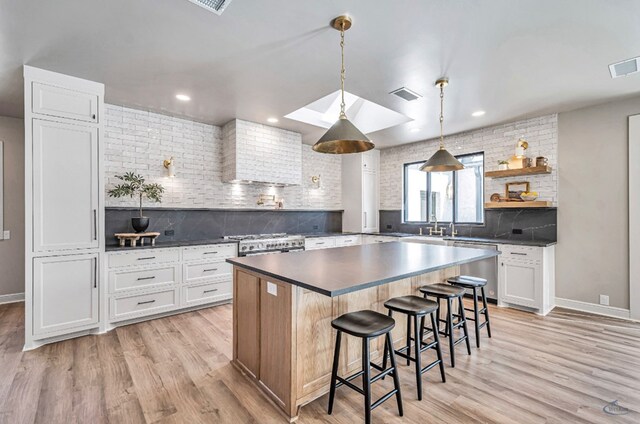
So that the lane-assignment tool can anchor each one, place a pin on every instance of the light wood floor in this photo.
(560, 369)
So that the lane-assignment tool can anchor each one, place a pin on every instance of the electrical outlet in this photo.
(604, 300)
(315, 227)
(169, 233)
(389, 226)
(516, 231)
(6, 235)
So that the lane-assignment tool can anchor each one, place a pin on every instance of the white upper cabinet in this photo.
(360, 192)
(65, 186)
(65, 293)
(63, 102)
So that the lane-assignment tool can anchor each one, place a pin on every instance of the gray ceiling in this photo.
(512, 58)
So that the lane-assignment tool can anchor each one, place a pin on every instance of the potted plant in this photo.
(503, 165)
(134, 185)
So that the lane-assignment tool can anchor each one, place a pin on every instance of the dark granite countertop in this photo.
(312, 235)
(535, 243)
(161, 244)
(342, 270)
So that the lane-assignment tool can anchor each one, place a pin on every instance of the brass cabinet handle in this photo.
(147, 258)
(209, 291)
(146, 302)
(210, 253)
(210, 270)
(146, 278)
(518, 253)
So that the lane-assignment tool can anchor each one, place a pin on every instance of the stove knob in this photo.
(250, 247)
(244, 248)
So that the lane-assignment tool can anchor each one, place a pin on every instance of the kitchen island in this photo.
(284, 304)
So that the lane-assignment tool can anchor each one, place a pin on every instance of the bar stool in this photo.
(416, 308)
(475, 283)
(365, 325)
(448, 292)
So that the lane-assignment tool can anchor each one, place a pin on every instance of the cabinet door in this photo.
(65, 103)
(369, 201)
(65, 293)
(65, 186)
(521, 283)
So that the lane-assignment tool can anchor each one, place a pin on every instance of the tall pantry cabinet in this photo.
(64, 199)
(360, 188)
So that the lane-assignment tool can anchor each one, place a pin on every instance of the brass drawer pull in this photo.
(210, 253)
(146, 302)
(146, 278)
(209, 291)
(518, 253)
(147, 258)
(210, 270)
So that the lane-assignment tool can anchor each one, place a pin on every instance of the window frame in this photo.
(428, 197)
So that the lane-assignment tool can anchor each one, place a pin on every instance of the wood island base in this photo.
(283, 340)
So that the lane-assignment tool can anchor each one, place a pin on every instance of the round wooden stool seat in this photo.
(444, 291)
(467, 281)
(411, 305)
(364, 323)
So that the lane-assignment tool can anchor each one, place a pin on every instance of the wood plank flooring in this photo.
(563, 368)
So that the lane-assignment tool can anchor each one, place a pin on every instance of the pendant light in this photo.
(343, 137)
(442, 161)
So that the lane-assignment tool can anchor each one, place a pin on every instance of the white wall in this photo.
(12, 251)
(593, 223)
(139, 141)
(497, 142)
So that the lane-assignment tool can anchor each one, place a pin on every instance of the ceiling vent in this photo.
(406, 94)
(215, 6)
(624, 68)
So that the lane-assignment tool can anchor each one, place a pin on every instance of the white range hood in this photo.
(257, 153)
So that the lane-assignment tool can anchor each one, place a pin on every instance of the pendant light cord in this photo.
(441, 115)
(342, 74)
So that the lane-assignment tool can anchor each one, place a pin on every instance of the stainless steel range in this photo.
(261, 244)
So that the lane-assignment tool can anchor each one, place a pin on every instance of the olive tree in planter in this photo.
(134, 186)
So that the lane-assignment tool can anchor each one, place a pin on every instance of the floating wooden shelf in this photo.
(504, 205)
(533, 170)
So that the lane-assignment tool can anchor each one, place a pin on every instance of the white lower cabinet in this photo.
(526, 277)
(151, 281)
(65, 294)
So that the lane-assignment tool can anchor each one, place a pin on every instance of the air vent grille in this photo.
(406, 94)
(215, 6)
(624, 68)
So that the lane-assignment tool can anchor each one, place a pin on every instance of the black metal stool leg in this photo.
(464, 325)
(396, 378)
(408, 339)
(385, 355)
(476, 316)
(486, 312)
(436, 336)
(449, 333)
(366, 380)
(334, 372)
(418, 346)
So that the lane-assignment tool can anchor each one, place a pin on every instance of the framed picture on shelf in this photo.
(513, 190)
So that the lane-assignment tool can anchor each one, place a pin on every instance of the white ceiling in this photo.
(512, 58)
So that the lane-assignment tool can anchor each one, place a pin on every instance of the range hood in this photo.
(259, 154)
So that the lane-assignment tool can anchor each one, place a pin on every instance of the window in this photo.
(455, 196)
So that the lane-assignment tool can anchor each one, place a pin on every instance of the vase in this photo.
(140, 224)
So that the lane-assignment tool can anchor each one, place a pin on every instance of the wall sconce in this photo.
(315, 180)
(521, 147)
(170, 165)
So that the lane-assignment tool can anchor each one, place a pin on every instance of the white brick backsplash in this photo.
(497, 142)
(139, 141)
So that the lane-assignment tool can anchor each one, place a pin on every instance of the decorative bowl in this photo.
(528, 198)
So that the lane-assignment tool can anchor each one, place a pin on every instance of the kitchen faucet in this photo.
(452, 226)
(434, 230)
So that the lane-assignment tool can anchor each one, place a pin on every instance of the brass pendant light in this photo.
(442, 161)
(343, 137)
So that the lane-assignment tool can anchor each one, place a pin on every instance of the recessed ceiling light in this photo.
(183, 97)
(478, 113)
(272, 120)
(414, 129)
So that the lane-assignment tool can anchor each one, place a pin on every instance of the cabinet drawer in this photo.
(142, 278)
(319, 243)
(204, 271)
(206, 293)
(348, 240)
(143, 257)
(65, 103)
(525, 253)
(208, 253)
(128, 307)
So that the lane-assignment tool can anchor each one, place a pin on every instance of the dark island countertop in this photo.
(342, 270)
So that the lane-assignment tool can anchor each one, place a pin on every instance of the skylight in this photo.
(367, 116)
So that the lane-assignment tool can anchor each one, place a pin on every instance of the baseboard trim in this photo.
(11, 298)
(610, 311)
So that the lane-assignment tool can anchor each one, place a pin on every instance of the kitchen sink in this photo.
(426, 240)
